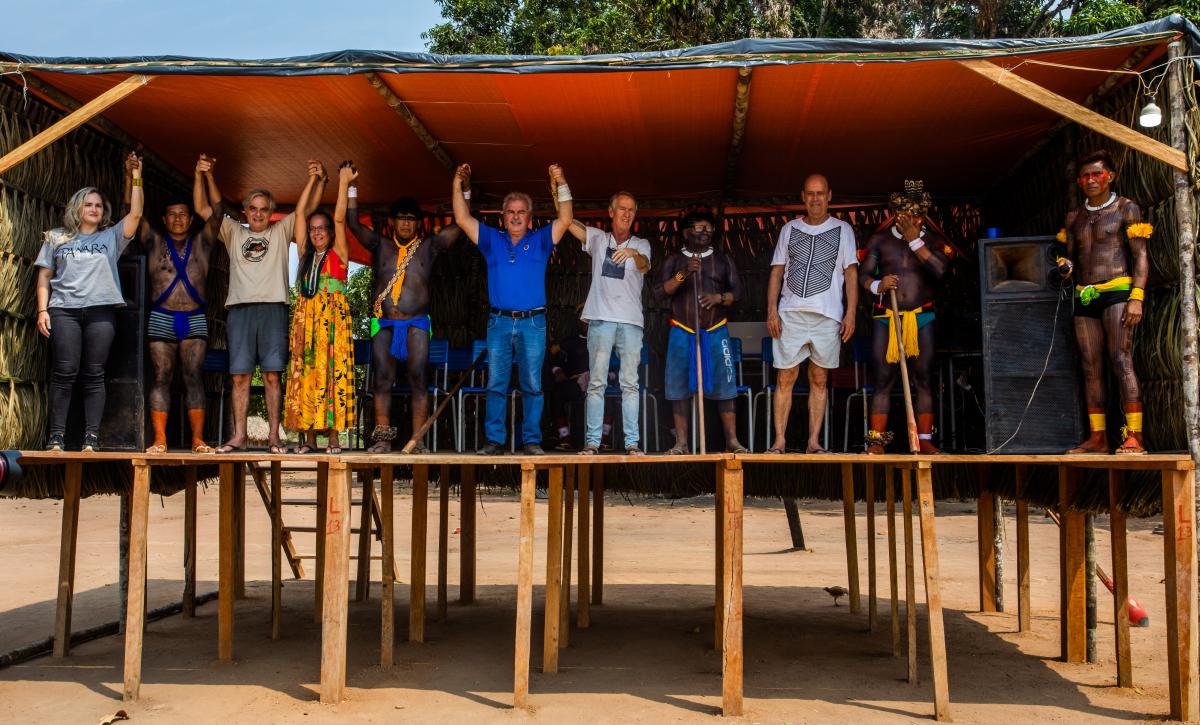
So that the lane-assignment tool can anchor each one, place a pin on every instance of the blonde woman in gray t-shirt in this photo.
(77, 292)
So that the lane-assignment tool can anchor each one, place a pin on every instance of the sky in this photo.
(236, 30)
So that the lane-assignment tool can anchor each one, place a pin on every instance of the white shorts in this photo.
(807, 334)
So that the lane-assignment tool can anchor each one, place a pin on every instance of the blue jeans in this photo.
(521, 342)
(602, 337)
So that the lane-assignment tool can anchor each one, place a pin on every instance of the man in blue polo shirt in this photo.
(516, 263)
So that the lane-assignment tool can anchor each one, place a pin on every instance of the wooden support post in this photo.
(851, 536)
(135, 607)
(1120, 577)
(598, 536)
(225, 505)
(524, 588)
(731, 589)
(1073, 570)
(910, 580)
(553, 572)
(336, 575)
(466, 541)
(420, 526)
(583, 616)
(719, 568)
(1179, 543)
(276, 550)
(72, 120)
(401, 108)
(387, 623)
(872, 606)
(933, 595)
(66, 558)
(239, 529)
(1024, 612)
(319, 579)
(985, 517)
(362, 576)
(189, 542)
(889, 480)
(564, 608)
(794, 527)
(443, 585)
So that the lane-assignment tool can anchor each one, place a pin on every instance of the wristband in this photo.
(564, 193)
(45, 310)
(136, 181)
(875, 287)
(467, 194)
(1137, 294)
(916, 243)
(352, 192)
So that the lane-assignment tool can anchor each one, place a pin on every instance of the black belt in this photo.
(519, 314)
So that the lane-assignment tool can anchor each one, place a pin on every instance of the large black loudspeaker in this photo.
(1030, 368)
(123, 426)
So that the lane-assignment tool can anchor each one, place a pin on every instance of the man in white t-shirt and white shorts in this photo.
(815, 261)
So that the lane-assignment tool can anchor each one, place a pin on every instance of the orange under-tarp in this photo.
(660, 133)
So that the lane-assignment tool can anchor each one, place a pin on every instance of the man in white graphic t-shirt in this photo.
(814, 263)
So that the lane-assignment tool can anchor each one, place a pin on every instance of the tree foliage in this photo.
(581, 27)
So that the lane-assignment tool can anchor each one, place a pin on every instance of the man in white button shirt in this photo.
(613, 311)
(815, 261)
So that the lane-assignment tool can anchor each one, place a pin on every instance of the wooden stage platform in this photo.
(571, 475)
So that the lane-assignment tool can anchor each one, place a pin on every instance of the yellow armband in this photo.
(1137, 293)
(1062, 235)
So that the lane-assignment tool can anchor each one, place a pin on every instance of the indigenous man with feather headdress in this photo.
(401, 265)
(905, 256)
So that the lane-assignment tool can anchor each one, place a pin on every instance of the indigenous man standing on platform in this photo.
(814, 260)
(905, 256)
(257, 322)
(401, 266)
(698, 272)
(613, 312)
(1107, 238)
(516, 331)
(178, 326)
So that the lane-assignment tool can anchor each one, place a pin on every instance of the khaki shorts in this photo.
(807, 335)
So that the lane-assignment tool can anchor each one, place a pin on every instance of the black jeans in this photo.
(79, 342)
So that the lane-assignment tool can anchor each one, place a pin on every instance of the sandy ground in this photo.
(647, 656)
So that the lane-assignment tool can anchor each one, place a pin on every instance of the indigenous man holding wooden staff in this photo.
(1108, 237)
(905, 256)
(177, 262)
(401, 266)
(815, 260)
(700, 273)
(516, 331)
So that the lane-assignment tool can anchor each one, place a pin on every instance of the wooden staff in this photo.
(910, 420)
(699, 360)
(420, 432)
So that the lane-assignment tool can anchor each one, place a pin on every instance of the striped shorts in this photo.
(172, 326)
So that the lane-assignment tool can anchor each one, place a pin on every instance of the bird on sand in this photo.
(836, 593)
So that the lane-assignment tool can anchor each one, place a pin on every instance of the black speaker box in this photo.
(1030, 364)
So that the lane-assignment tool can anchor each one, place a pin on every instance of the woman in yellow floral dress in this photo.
(320, 390)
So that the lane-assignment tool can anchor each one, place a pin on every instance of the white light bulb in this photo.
(1151, 115)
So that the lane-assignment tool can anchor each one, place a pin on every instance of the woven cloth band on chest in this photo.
(1089, 293)
(404, 255)
(911, 321)
(399, 347)
(678, 328)
(179, 319)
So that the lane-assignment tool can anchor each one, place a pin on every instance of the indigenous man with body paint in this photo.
(905, 256)
(699, 271)
(177, 261)
(1107, 258)
(401, 266)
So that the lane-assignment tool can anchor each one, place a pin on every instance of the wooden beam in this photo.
(933, 596)
(583, 612)
(732, 656)
(851, 536)
(1120, 577)
(239, 531)
(362, 577)
(417, 566)
(719, 564)
(225, 564)
(443, 582)
(524, 588)
(135, 607)
(890, 480)
(741, 110)
(985, 518)
(319, 576)
(872, 606)
(1061, 105)
(66, 558)
(72, 121)
(598, 536)
(336, 575)
(276, 550)
(910, 581)
(387, 624)
(553, 571)
(1179, 542)
(564, 607)
(1024, 611)
(1072, 570)
(466, 552)
(189, 542)
(398, 105)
